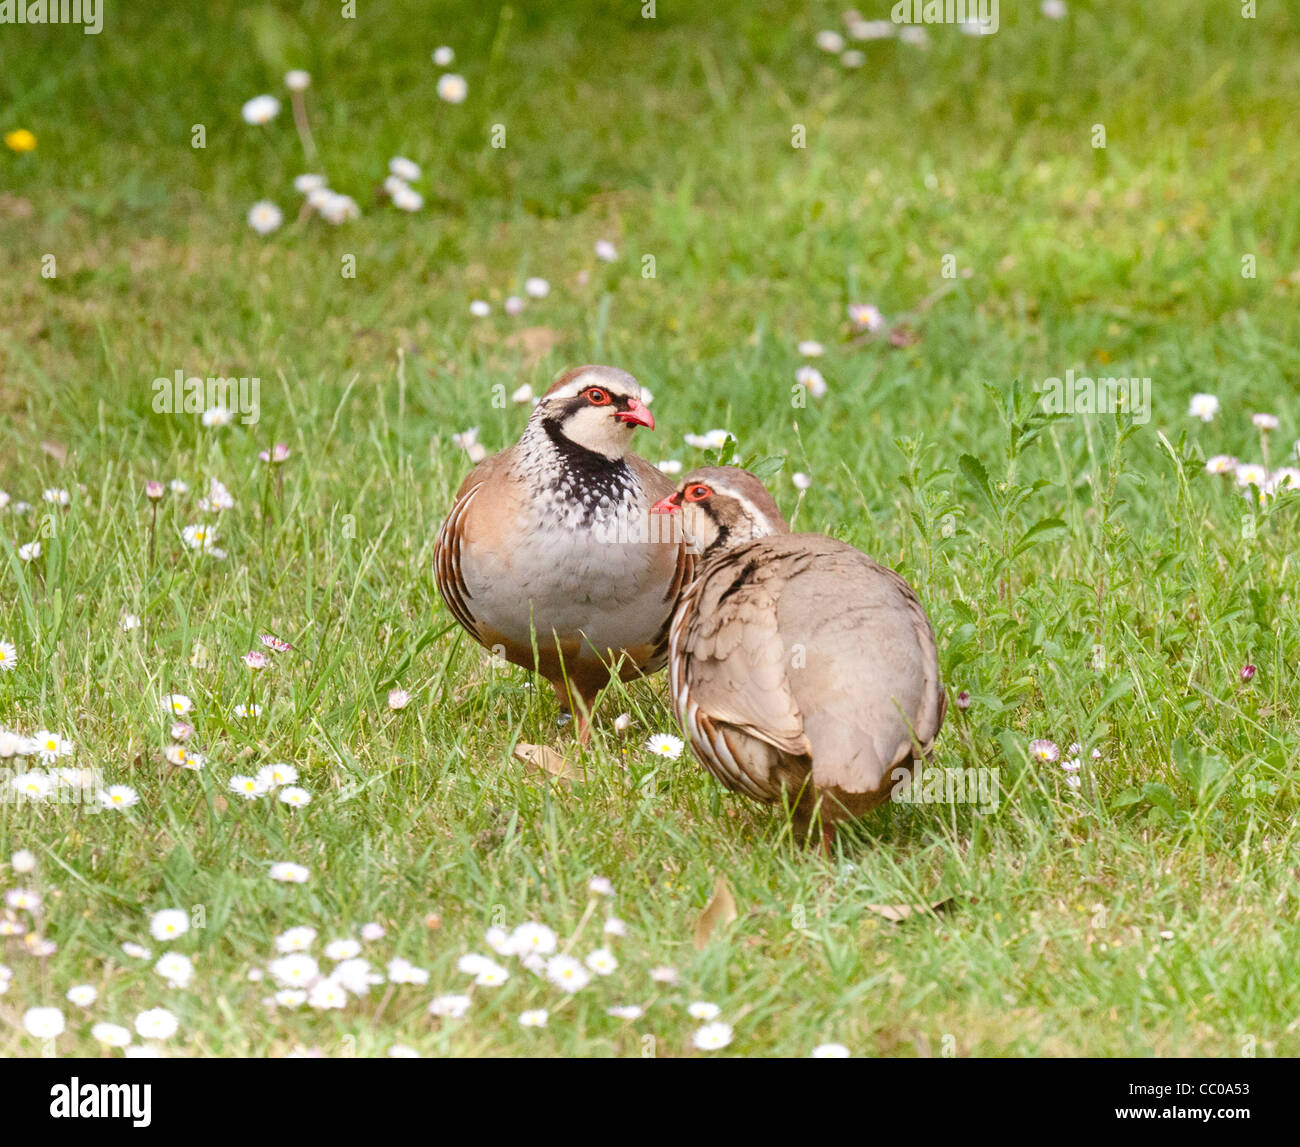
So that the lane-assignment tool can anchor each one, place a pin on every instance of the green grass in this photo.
(1124, 626)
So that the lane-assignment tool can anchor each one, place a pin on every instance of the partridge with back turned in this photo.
(801, 670)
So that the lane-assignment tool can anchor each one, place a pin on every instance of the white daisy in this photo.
(29, 551)
(264, 217)
(372, 931)
(83, 995)
(602, 962)
(342, 950)
(136, 951)
(513, 305)
(297, 80)
(298, 939)
(670, 466)
(261, 109)
(175, 968)
(1203, 406)
(812, 380)
(407, 199)
(119, 797)
(43, 1023)
(52, 746)
(1252, 474)
(129, 622)
(711, 1037)
(626, 1012)
(665, 745)
(405, 169)
(443, 56)
(23, 898)
(56, 497)
(289, 873)
(8, 656)
(534, 1018)
(177, 703)
(1265, 421)
(401, 1051)
(700, 1010)
(567, 974)
(290, 997)
(110, 1035)
(451, 1007)
(1221, 464)
(250, 788)
(327, 994)
(615, 927)
(480, 309)
(829, 41)
(801, 480)
(532, 937)
(830, 1051)
(402, 971)
(23, 861)
(537, 287)
(295, 797)
(452, 88)
(307, 183)
(491, 975)
(606, 251)
(169, 924)
(156, 1023)
(33, 784)
(297, 970)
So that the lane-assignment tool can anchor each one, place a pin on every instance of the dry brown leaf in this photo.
(56, 450)
(534, 343)
(219, 803)
(718, 912)
(898, 912)
(544, 759)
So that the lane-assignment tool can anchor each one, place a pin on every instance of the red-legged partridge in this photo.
(800, 669)
(548, 539)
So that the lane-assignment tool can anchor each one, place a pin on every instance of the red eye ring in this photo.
(596, 396)
(697, 493)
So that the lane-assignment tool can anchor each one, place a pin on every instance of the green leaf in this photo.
(1040, 530)
(1118, 689)
(728, 452)
(978, 477)
(766, 468)
(1126, 798)
(1160, 795)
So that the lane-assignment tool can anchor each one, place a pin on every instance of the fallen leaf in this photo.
(898, 912)
(219, 803)
(543, 759)
(535, 343)
(718, 912)
(56, 450)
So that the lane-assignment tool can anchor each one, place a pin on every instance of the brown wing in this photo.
(447, 548)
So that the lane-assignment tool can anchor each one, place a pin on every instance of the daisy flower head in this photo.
(23, 898)
(297, 939)
(307, 183)
(23, 861)
(177, 703)
(265, 217)
(480, 309)
(1053, 9)
(175, 968)
(136, 951)
(43, 1023)
(398, 699)
(537, 287)
(278, 454)
(567, 974)
(665, 745)
(1044, 751)
(602, 962)
(33, 784)
(401, 1051)
(498, 939)
(915, 35)
(129, 622)
(356, 975)
(712, 1037)
(156, 1023)
(626, 1012)
(606, 252)
(297, 80)
(663, 974)
(1220, 464)
(443, 56)
(250, 788)
(830, 1051)
(342, 950)
(218, 416)
(336, 209)
(492, 976)
(810, 348)
(405, 169)
(169, 924)
(522, 395)
(372, 931)
(110, 1035)
(615, 927)
(255, 659)
(829, 41)
(273, 776)
(1203, 406)
(402, 971)
(532, 937)
(119, 797)
(296, 970)
(407, 198)
(290, 997)
(1252, 474)
(866, 316)
(56, 497)
(670, 466)
(51, 746)
(8, 656)
(709, 440)
(812, 380)
(29, 551)
(513, 305)
(254, 710)
(287, 872)
(260, 110)
(452, 88)
(276, 643)
(800, 480)
(180, 756)
(702, 1010)
(600, 886)
(452, 1007)
(83, 995)
(534, 1018)
(1265, 421)
(200, 537)
(295, 797)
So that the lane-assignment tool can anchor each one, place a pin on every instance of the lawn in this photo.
(1089, 580)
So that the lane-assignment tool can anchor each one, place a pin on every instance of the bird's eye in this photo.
(598, 397)
(697, 493)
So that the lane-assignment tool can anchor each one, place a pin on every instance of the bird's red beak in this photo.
(637, 414)
(668, 505)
